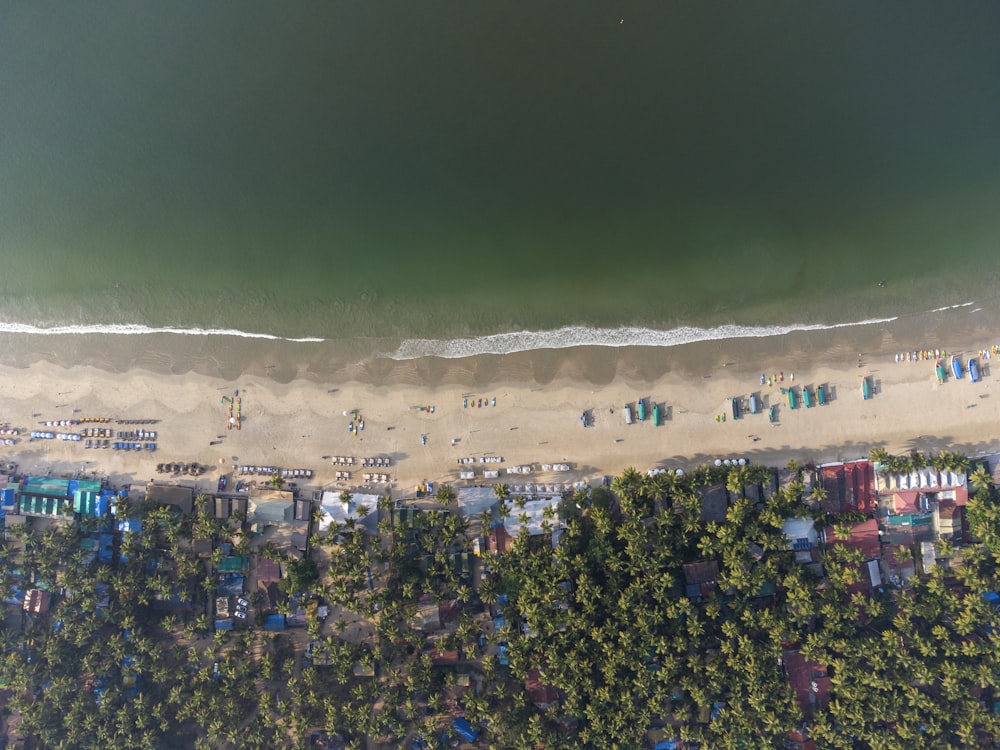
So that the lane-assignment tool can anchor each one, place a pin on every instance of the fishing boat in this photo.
(628, 414)
(940, 372)
(736, 408)
(807, 396)
(956, 367)
(791, 398)
(866, 388)
(772, 414)
(973, 370)
(754, 404)
(642, 409)
(821, 395)
(656, 415)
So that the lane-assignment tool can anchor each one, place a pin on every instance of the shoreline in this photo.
(540, 397)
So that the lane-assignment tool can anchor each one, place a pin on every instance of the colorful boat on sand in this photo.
(736, 408)
(772, 414)
(642, 409)
(754, 404)
(792, 401)
(940, 372)
(866, 388)
(821, 395)
(973, 370)
(628, 413)
(656, 415)
(807, 396)
(956, 367)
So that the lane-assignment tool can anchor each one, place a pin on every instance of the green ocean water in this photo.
(397, 170)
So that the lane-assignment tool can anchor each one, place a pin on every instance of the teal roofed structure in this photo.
(89, 503)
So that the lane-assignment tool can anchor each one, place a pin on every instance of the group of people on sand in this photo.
(775, 379)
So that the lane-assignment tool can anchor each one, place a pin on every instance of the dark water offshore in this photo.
(406, 170)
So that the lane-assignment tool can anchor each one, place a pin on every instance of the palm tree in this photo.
(446, 495)
(981, 477)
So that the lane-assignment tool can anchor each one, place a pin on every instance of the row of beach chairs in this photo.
(377, 461)
(136, 435)
(343, 475)
(343, 461)
(296, 473)
(136, 421)
(132, 446)
(97, 432)
(384, 478)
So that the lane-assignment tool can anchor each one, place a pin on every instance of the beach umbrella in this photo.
(680, 472)
(743, 462)
(727, 462)
(718, 462)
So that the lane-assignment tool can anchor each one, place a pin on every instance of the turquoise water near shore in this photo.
(378, 173)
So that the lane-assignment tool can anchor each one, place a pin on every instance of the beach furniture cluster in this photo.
(377, 461)
(555, 467)
(136, 435)
(43, 436)
(376, 477)
(59, 423)
(522, 469)
(270, 471)
(7, 430)
(343, 461)
(132, 446)
(97, 432)
(133, 421)
(97, 443)
(529, 490)
(343, 475)
(481, 459)
(175, 468)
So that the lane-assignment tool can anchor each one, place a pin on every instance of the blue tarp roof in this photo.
(231, 585)
(226, 624)
(132, 524)
(274, 623)
(8, 498)
(666, 745)
(465, 730)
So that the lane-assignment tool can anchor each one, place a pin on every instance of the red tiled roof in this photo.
(701, 572)
(268, 571)
(906, 501)
(499, 540)
(37, 601)
(864, 537)
(444, 658)
(849, 487)
(539, 694)
(809, 679)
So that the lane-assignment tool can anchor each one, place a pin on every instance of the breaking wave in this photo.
(570, 336)
(140, 330)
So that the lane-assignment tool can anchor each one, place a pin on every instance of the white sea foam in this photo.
(570, 336)
(139, 330)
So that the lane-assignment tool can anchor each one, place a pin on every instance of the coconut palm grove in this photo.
(731, 606)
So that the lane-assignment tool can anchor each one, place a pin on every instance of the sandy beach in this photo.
(536, 419)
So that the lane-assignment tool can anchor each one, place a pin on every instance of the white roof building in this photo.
(335, 510)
